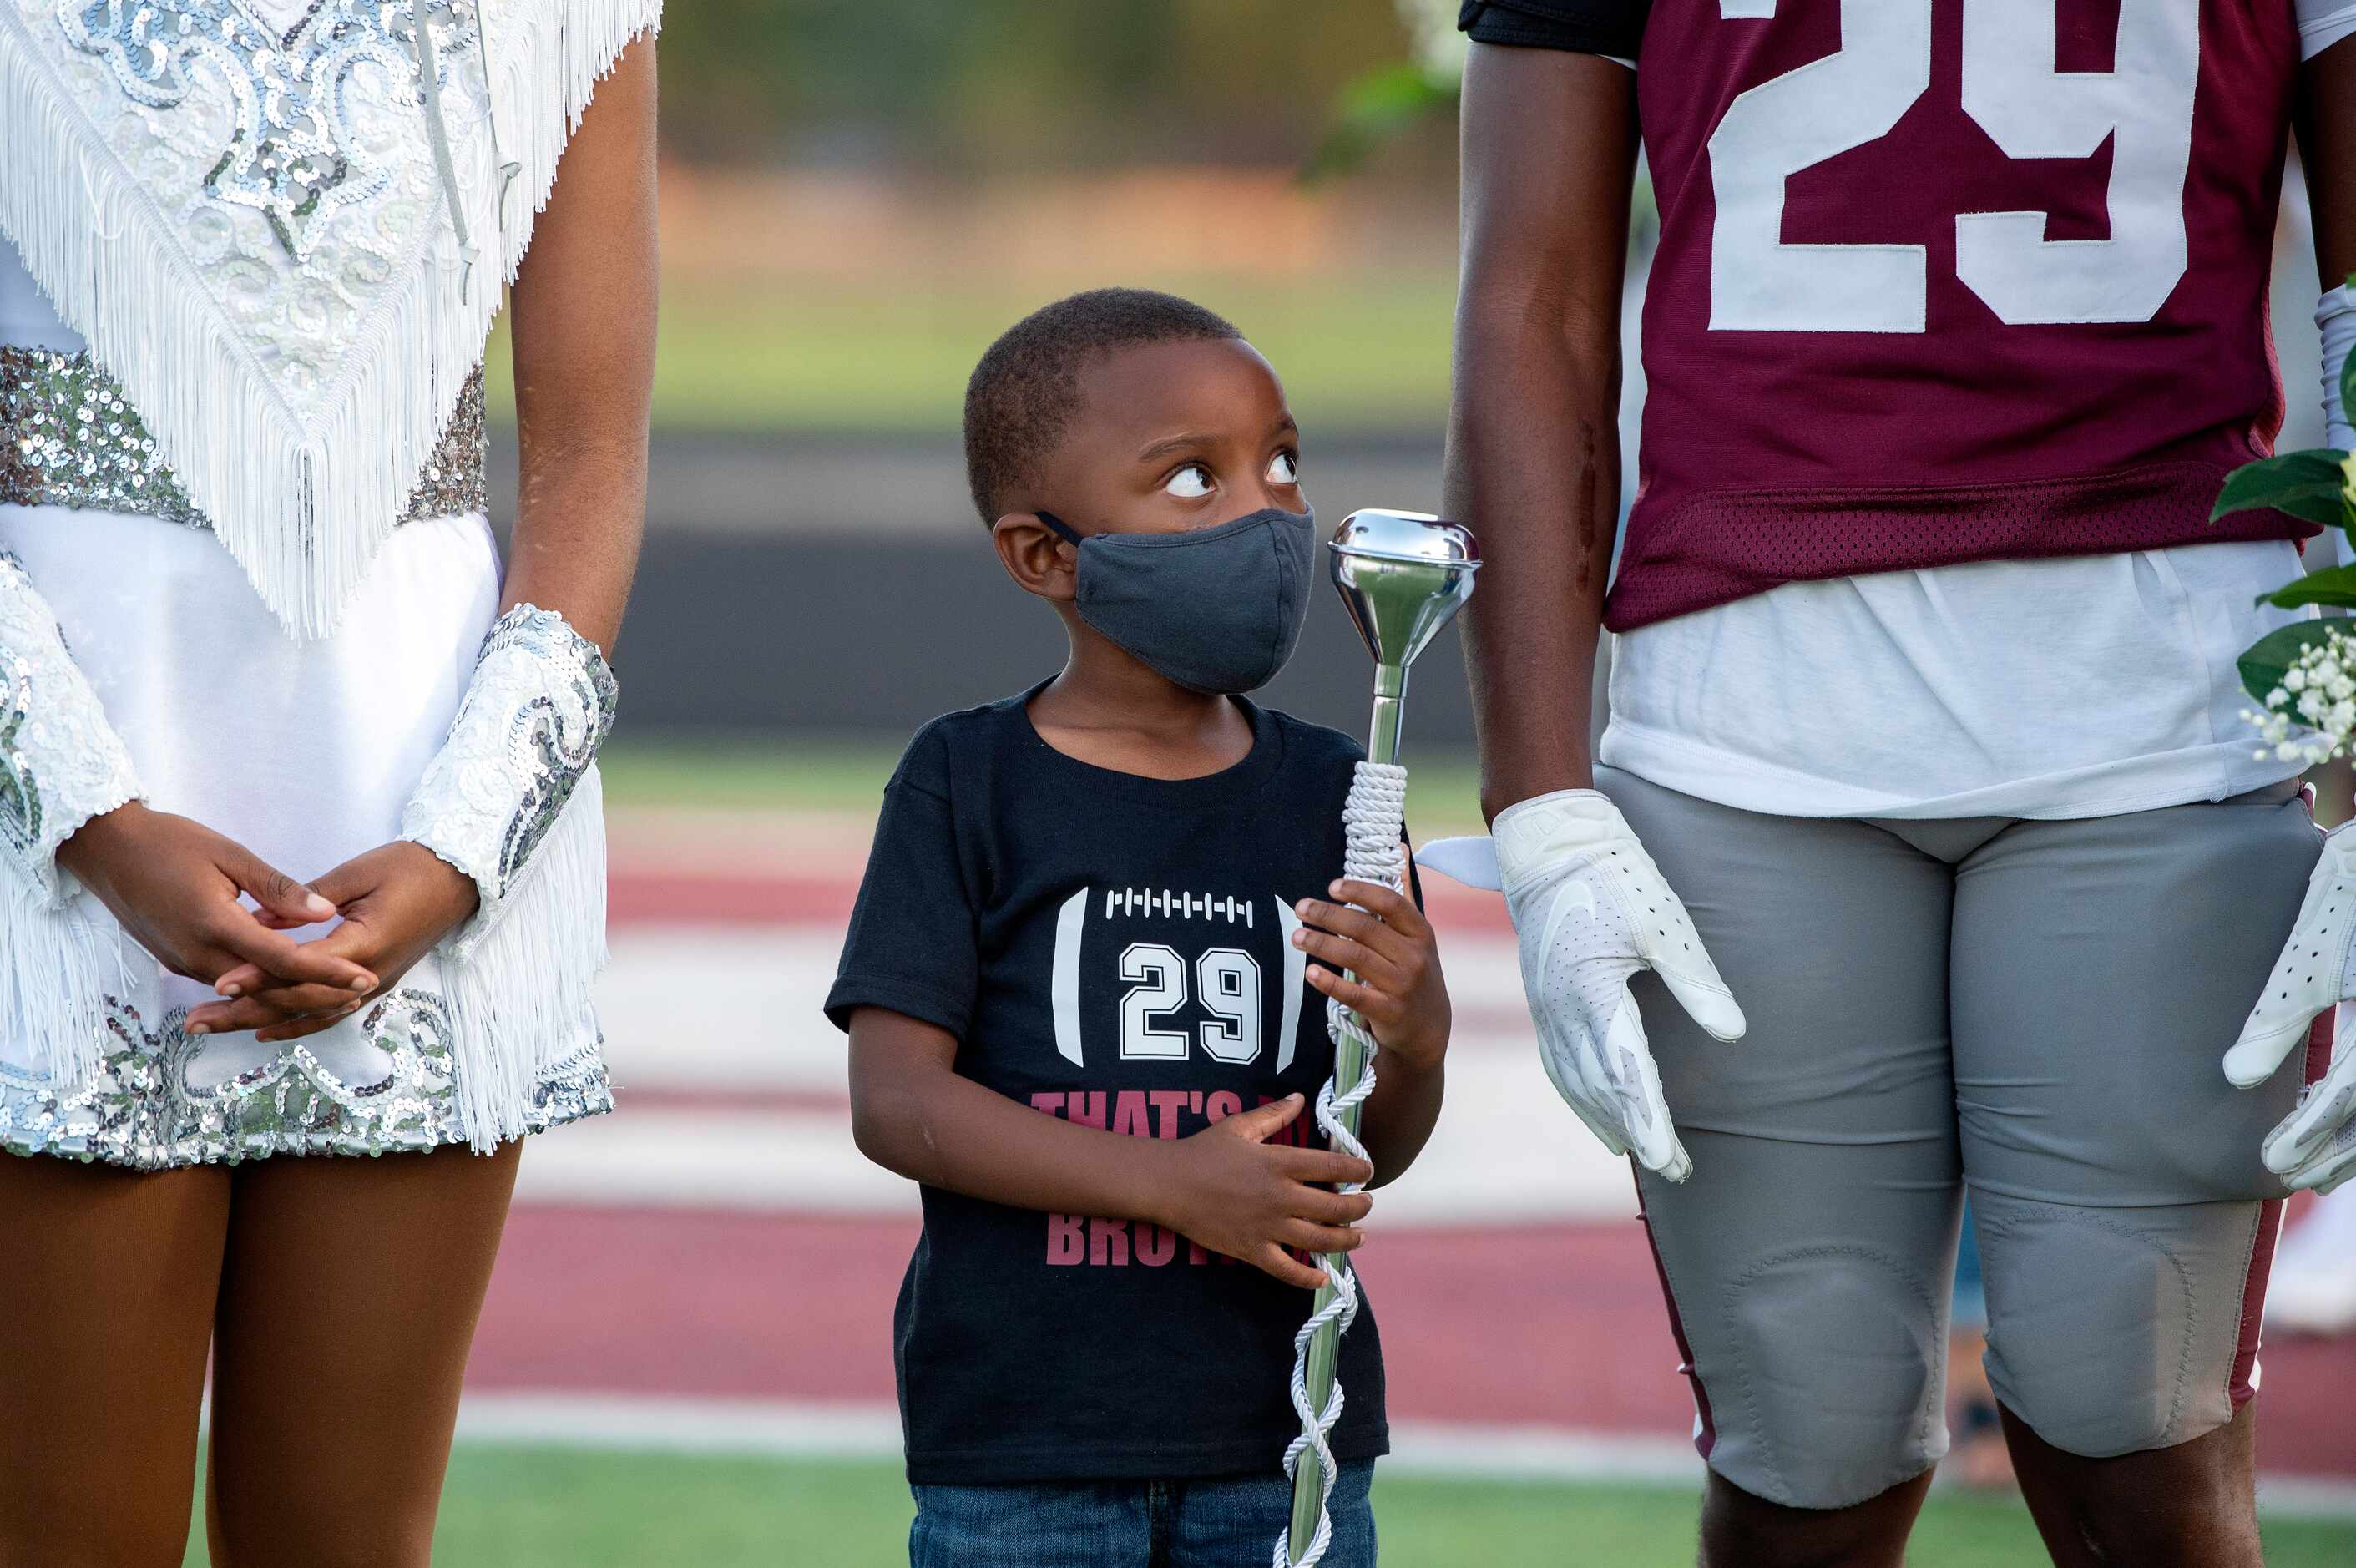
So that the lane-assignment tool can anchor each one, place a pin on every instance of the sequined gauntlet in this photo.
(60, 764)
(540, 703)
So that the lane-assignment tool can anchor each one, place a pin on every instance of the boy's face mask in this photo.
(1214, 609)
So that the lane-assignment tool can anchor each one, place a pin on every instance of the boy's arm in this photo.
(1398, 1118)
(1225, 1187)
(1387, 946)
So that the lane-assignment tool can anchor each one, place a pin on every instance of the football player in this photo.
(1923, 699)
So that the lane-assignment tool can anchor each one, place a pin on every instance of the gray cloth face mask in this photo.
(1214, 609)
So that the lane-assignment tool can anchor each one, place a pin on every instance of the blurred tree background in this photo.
(857, 197)
(977, 88)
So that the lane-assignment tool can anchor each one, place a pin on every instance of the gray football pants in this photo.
(2038, 1009)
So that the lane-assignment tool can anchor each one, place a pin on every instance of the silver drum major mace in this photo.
(1402, 575)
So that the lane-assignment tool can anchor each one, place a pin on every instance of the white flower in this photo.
(2310, 718)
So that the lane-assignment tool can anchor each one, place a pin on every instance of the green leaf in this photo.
(2347, 387)
(1374, 109)
(2333, 585)
(2305, 483)
(2264, 665)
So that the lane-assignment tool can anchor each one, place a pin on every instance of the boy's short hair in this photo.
(1022, 396)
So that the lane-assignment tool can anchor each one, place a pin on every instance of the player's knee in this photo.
(1838, 1378)
(2096, 1339)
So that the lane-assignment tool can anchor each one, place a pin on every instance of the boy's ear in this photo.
(1038, 561)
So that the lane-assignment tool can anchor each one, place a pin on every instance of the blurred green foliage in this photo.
(1357, 351)
(962, 87)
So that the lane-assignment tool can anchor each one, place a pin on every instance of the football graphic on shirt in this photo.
(1189, 974)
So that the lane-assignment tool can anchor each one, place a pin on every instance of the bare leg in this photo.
(1739, 1530)
(347, 1306)
(2192, 1506)
(107, 1299)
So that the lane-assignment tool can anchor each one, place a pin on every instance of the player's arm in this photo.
(2310, 1147)
(2327, 149)
(1227, 1187)
(1533, 465)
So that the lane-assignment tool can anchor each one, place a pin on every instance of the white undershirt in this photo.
(2085, 686)
(2079, 687)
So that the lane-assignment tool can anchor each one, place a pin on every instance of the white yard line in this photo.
(792, 1429)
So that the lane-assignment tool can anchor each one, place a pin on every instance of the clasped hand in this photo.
(175, 887)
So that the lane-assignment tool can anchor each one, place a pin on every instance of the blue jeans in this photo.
(1228, 1521)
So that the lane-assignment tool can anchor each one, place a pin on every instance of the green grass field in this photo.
(1356, 351)
(845, 775)
(554, 1507)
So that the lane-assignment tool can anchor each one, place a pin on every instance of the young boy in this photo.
(1078, 984)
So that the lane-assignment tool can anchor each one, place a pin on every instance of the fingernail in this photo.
(318, 906)
(362, 982)
(200, 1028)
(232, 990)
(1301, 939)
(1334, 887)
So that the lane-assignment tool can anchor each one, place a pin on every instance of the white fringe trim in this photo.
(303, 508)
(518, 993)
(58, 961)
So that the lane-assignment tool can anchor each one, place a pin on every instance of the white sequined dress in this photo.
(283, 670)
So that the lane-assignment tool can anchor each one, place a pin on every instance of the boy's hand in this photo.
(1238, 1194)
(1395, 982)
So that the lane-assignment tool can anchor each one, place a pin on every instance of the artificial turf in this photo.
(558, 1508)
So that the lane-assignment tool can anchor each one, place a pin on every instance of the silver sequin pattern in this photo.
(550, 754)
(297, 148)
(143, 1109)
(69, 438)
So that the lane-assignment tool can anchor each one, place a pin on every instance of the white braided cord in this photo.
(1373, 820)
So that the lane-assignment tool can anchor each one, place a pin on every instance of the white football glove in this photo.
(1591, 910)
(2315, 1146)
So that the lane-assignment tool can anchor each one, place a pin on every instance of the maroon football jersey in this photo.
(1951, 280)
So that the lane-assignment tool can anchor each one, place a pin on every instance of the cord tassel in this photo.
(1374, 820)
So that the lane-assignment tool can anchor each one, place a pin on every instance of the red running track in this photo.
(1542, 1325)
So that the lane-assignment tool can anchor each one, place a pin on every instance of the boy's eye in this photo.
(1189, 482)
(1284, 468)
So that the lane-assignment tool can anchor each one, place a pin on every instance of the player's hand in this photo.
(1236, 1193)
(173, 884)
(1393, 981)
(1591, 910)
(396, 900)
(2315, 1146)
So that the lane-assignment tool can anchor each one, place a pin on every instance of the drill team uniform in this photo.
(1924, 700)
(1115, 950)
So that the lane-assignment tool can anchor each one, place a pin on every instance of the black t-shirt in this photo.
(1113, 949)
(1611, 27)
